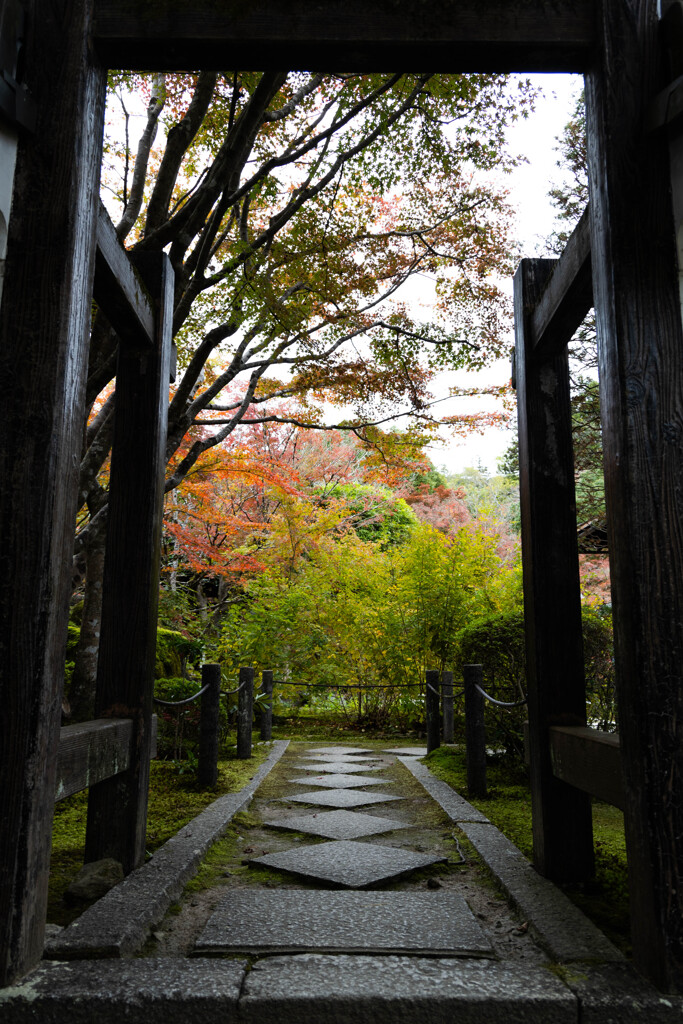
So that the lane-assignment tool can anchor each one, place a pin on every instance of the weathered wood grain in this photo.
(92, 751)
(119, 290)
(589, 760)
(44, 322)
(562, 825)
(566, 298)
(640, 350)
(346, 35)
(117, 807)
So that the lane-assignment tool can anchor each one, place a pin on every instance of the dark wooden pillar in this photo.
(562, 825)
(475, 730)
(432, 708)
(267, 705)
(117, 807)
(640, 348)
(44, 322)
(207, 770)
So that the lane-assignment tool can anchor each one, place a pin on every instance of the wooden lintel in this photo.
(119, 290)
(92, 751)
(589, 760)
(346, 35)
(567, 297)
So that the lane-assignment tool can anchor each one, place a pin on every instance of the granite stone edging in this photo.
(562, 929)
(119, 922)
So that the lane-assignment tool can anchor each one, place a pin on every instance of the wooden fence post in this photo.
(117, 808)
(207, 773)
(475, 730)
(432, 709)
(245, 712)
(267, 705)
(447, 706)
(562, 822)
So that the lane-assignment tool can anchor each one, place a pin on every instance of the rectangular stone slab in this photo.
(339, 798)
(339, 781)
(348, 864)
(303, 921)
(338, 767)
(321, 989)
(338, 824)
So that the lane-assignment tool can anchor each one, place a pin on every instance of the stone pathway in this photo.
(348, 819)
(301, 913)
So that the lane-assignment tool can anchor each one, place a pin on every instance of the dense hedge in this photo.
(497, 643)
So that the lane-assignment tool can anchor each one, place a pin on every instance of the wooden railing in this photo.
(90, 752)
(588, 759)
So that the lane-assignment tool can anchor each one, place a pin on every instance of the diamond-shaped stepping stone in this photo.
(348, 864)
(339, 767)
(297, 921)
(349, 759)
(407, 751)
(339, 798)
(341, 750)
(339, 781)
(339, 824)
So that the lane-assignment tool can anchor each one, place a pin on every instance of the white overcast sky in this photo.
(529, 185)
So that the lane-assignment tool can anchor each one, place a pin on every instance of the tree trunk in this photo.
(84, 680)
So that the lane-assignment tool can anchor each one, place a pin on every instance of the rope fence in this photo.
(436, 689)
(179, 703)
(501, 703)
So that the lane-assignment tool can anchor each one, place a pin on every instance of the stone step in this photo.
(320, 989)
(296, 921)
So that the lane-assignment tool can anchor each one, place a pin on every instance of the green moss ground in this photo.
(508, 806)
(174, 800)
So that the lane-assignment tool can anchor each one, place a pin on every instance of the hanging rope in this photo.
(500, 703)
(178, 703)
(228, 693)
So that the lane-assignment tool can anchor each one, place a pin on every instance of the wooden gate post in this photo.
(44, 322)
(432, 708)
(475, 731)
(267, 705)
(640, 349)
(562, 824)
(447, 706)
(245, 712)
(117, 807)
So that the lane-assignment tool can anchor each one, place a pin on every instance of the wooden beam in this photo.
(567, 297)
(90, 752)
(346, 35)
(562, 826)
(117, 807)
(640, 352)
(119, 290)
(589, 760)
(44, 322)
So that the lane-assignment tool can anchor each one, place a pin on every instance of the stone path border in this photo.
(562, 930)
(120, 922)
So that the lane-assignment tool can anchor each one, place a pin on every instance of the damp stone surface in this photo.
(339, 824)
(338, 767)
(339, 781)
(348, 864)
(340, 750)
(302, 921)
(338, 798)
(407, 751)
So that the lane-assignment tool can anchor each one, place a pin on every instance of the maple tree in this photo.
(294, 207)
